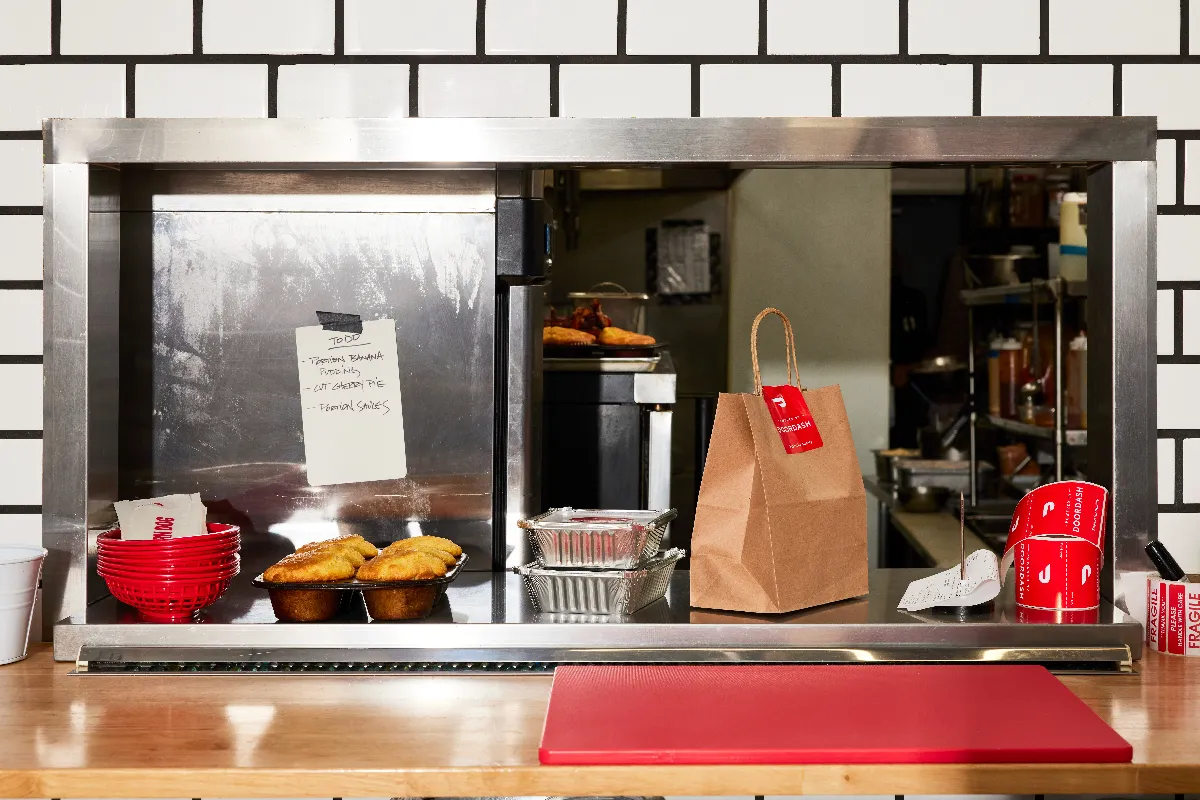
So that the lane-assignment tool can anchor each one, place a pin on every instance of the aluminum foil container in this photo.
(599, 591)
(596, 539)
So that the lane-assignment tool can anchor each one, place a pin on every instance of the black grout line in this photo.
(1180, 165)
(1184, 25)
(1178, 488)
(20, 359)
(835, 103)
(480, 27)
(1116, 90)
(20, 509)
(977, 90)
(1177, 313)
(130, 94)
(1179, 133)
(1180, 359)
(903, 27)
(762, 27)
(1178, 210)
(20, 434)
(554, 89)
(1178, 433)
(695, 90)
(1179, 285)
(413, 108)
(623, 25)
(22, 136)
(17, 211)
(339, 27)
(29, 286)
(272, 90)
(55, 27)
(618, 58)
(1044, 27)
(197, 27)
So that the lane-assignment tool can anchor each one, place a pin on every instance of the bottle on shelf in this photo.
(1077, 383)
(1011, 376)
(1072, 236)
(993, 362)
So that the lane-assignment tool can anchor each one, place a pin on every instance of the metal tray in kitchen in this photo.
(599, 592)
(596, 539)
(953, 475)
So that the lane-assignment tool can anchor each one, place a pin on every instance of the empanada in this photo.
(312, 566)
(414, 566)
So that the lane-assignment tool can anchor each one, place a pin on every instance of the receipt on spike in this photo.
(949, 588)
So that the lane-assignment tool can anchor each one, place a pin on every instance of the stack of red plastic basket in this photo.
(168, 580)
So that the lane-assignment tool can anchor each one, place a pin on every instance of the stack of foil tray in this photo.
(598, 562)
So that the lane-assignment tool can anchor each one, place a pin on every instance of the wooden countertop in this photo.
(394, 736)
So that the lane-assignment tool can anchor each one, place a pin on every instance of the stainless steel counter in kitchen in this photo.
(240, 628)
(933, 535)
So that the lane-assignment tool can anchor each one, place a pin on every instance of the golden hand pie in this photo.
(410, 546)
(620, 336)
(556, 335)
(312, 566)
(351, 540)
(414, 566)
(345, 550)
(430, 543)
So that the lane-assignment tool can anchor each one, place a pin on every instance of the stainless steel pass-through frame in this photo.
(87, 162)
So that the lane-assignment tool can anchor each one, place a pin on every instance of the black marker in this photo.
(1168, 568)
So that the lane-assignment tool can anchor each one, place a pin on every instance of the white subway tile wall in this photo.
(1166, 322)
(21, 400)
(538, 27)
(1180, 532)
(412, 27)
(1178, 251)
(1156, 90)
(484, 90)
(268, 26)
(590, 57)
(982, 27)
(1191, 471)
(24, 27)
(343, 90)
(1166, 471)
(1191, 183)
(845, 27)
(1191, 326)
(20, 176)
(21, 529)
(201, 90)
(1166, 171)
(906, 90)
(692, 27)
(126, 27)
(625, 90)
(766, 90)
(1047, 90)
(1114, 27)
(20, 472)
(30, 93)
(22, 256)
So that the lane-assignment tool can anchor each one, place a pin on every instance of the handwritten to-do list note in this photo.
(350, 401)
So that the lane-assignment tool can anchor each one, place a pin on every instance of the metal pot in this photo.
(923, 499)
(885, 461)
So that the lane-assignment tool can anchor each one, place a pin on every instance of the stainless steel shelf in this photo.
(1073, 438)
(1019, 293)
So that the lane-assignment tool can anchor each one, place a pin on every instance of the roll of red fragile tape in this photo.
(1173, 617)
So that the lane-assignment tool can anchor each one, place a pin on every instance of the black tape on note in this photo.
(345, 323)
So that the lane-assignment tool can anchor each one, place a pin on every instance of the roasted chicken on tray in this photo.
(589, 325)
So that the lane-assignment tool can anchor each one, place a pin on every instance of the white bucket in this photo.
(20, 571)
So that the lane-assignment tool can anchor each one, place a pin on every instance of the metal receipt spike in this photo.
(962, 538)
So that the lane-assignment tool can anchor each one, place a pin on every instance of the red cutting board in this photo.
(815, 714)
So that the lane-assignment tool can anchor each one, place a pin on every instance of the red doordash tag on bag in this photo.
(793, 420)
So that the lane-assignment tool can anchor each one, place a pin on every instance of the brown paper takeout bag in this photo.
(778, 532)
